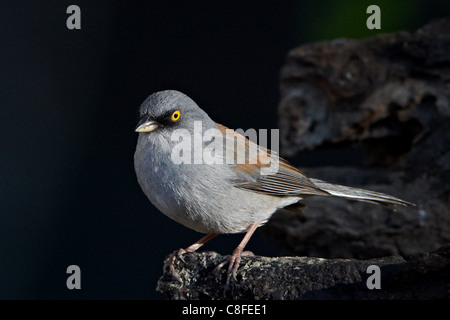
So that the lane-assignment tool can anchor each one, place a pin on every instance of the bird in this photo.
(222, 195)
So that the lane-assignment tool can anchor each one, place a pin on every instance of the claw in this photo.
(178, 254)
(233, 262)
(233, 266)
(221, 265)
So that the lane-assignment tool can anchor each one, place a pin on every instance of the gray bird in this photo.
(220, 197)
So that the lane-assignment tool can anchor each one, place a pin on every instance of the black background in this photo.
(68, 108)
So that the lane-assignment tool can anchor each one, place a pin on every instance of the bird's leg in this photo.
(191, 248)
(235, 259)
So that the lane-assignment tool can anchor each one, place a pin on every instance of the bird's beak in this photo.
(146, 125)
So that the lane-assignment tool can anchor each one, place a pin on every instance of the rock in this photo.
(388, 98)
(392, 88)
(423, 276)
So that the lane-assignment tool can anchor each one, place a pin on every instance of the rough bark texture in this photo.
(388, 97)
(425, 276)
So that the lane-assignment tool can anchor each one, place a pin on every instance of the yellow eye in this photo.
(175, 116)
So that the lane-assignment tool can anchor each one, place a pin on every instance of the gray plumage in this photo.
(218, 198)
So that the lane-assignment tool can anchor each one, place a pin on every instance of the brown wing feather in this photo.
(286, 181)
(290, 181)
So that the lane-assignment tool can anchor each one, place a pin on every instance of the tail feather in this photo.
(351, 193)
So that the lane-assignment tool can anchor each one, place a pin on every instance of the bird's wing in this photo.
(269, 174)
(262, 170)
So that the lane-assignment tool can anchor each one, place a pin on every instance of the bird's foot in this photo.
(233, 265)
(178, 254)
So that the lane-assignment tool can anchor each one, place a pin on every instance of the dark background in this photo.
(68, 108)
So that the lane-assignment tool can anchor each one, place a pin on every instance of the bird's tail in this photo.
(338, 191)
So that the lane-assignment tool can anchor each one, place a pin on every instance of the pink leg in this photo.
(236, 256)
(199, 243)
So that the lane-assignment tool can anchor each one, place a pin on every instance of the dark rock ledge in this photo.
(422, 276)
